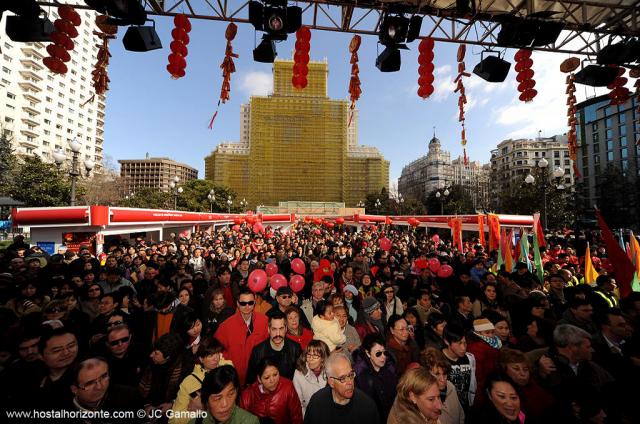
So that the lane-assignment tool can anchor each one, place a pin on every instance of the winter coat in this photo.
(402, 413)
(452, 412)
(239, 341)
(486, 363)
(393, 308)
(404, 354)
(379, 385)
(307, 385)
(286, 358)
(283, 405)
(328, 331)
(303, 339)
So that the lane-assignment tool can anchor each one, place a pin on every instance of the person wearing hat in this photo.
(370, 318)
(352, 301)
(485, 345)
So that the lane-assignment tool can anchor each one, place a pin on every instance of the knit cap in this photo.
(482, 324)
(351, 288)
(370, 304)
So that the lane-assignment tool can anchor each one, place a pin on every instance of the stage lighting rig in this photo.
(395, 31)
(276, 19)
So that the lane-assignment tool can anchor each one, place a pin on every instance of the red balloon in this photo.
(237, 220)
(58, 50)
(257, 280)
(298, 266)
(236, 227)
(258, 228)
(445, 271)
(421, 264)
(434, 264)
(272, 269)
(67, 27)
(297, 283)
(182, 21)
(339, 221)
(317, 232)
(385, 244)
(425, 91)
(69, 13)
(436, 239)
(521, 55)
(278, 280)
(301, 57)
(304, 33)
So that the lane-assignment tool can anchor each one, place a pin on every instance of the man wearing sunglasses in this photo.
(340, 401)
(241, 332)
(124, 363)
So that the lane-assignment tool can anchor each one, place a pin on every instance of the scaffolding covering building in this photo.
(298, 145)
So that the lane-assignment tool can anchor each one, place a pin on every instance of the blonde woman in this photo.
(418, 400)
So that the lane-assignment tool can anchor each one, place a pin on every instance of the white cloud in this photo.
(257, 83)
(443, 70)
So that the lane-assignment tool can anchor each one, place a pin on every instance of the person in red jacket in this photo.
(241, 332)
(485, 346)
(272, 396)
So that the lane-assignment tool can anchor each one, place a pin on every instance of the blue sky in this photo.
(147, 111)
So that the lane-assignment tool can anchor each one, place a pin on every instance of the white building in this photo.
(474, 178)
(41, 111)
(513, 160)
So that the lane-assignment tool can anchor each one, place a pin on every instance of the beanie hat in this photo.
(370, 304)
(482, 324)
(351, 288)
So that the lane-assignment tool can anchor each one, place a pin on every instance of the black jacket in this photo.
(286, 357)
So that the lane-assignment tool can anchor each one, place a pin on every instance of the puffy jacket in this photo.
(307, 385)
(379, 385)
(282, 405)
(328, 331)
(238, 342)
(486, 363)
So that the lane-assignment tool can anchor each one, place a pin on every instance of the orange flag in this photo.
(481, 230)
(590, 273)
(494, 231)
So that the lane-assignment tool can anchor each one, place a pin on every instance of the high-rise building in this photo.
(153, 173)
(436, 170)
(41, 111)
(606, 136)
(513, 160)
(297, 145)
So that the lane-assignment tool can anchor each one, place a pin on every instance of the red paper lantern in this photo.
(301, 58)
(177, 62)
(525, 75)
(65, 30)
(425, 70)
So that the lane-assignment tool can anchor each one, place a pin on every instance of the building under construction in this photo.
(298, 145)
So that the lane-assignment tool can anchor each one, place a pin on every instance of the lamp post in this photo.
(442, 197)
(59, 157)
(377, 205)
(360, 204)
(212, 198)
(176, 191)
(229, 203)
(558, 173)
(400, 202)
(244, 204)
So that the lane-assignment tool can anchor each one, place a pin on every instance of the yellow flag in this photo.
(590, 273)
(635, 253)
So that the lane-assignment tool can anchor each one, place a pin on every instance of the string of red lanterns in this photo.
(525, 75)
(354, 83)
(462, 99)
(425, 70)
(568, 66)
(180, 34)
(619, 94)
(62, 44)
(301, 58)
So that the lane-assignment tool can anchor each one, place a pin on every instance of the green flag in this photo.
(537, 258)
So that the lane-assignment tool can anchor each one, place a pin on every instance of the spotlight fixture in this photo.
(395, 30)
(275, 18)
(492, 68)
(141, 38)
(266, 50)
(625, 52)
(528, 32)
(596, 76)
(26, 25)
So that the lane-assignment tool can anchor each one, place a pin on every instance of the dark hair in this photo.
(245, 290)
(604, 317)
(209, 346)
(433, 358)
(494, 378)
(453, 333)
(494, 316)
(169, 344)
(217, 379)
(391, 322)
(267, 361)
(77, 368)
(115, 295)
(601, 280)
(578, 301)
(48, 333)
(435, 318)
(277, 315)
(372, 339)
(414, 312)
(321, 307)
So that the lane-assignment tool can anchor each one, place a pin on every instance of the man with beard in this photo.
(277, 346)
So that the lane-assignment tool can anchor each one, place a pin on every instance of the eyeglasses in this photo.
(249, 303)
(389, 292)
(89, 385)
(380, 353)
(349, 377)
(285, 296)
(114, 323)
(313, 355)
(120, 341)
(53, 311)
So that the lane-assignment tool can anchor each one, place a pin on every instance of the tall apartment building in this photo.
(41, 111)
(297, 145)
(606, 135)
(436, 170)
(513, 160)
(153, 173)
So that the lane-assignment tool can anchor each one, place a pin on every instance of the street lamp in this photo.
(212, 198)
(360, 204)
(557, 173)
(244, 204)
(173, 184)
(400, 202)
(229, 203)
(377, 205)
(59, 157)
(442, 197)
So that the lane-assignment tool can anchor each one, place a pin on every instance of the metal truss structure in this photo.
(590, 24)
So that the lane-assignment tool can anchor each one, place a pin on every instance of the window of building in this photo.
(10, 106)
(8, 120)
(609, 156)
(624, 153)
(6, 70)
(544, 154)
(567, 162)
(11, 95)
(609, 134)
(622, 129)
(623, 141)
(624, 165)
(594, 126)
(596, 159)
(556, 154)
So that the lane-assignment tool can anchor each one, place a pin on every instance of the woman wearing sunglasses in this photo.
(376, 373)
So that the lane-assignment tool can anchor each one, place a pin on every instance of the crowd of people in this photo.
(173, 328)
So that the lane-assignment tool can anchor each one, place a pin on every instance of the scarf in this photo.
(494, 341)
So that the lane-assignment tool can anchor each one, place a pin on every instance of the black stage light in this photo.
(528, 32)
(266, 51)
(255, 15)
(492, 68)
(415, 23)
(389, 59)
(393, 30)
(29, 29)
(596, 76)
(141, 39)
(547, 32)
(625, 52)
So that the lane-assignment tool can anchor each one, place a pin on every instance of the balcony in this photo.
(30, 121)
(30, 52)
(27, 84)
(30, 75)
(30, 97)
(29, 143)
(31, 109)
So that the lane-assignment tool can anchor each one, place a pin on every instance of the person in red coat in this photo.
(241, 332)
(272, 396)
(485, 346)
(295, 331)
